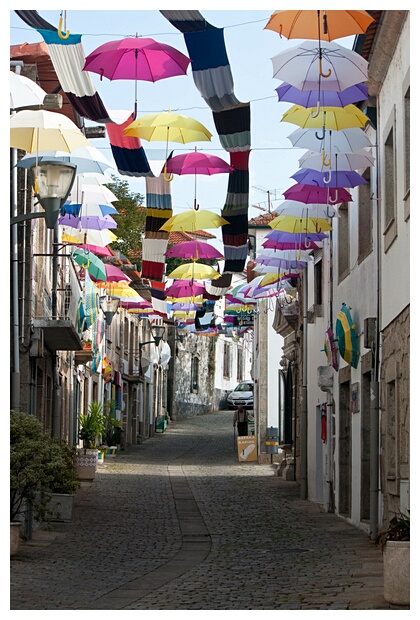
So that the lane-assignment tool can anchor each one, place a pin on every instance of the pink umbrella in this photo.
(193, 250)
(311, 194)
(184, 288)
(285, 245)
(136, 58)
(96, 249)
(114, 274)
(197, 163)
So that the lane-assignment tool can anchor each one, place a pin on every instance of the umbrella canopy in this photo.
(193, 220)
(184, 307)
(300, 66)
(90, 222)
(311, 98)
(198, 163)
(86, 158)
(96, 249)
(329, 118)
(24, 93)
(348, 344)
(343, 141)
(88, 260)
(82, 193)
(168, 127)
(325, 25)
(193, 250)
(303, 209)
(197, 271)
(330, 348)
(338, 161)
(184, 289)
(320, 195)
(42, 130)
(289, 223)
(114, 274)
(306, 176)
(88, 208)
(95, 237)
(136, 58)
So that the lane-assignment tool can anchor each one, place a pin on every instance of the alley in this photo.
(179, 523)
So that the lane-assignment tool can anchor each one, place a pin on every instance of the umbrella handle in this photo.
(59, 31)
(325, 75)
(323, 134)
(316, 113)
(324, 159)
(328, 212)
(169, 178)
(327, 178)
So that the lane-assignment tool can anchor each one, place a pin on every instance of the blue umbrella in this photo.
(340, 178)
(310, 98)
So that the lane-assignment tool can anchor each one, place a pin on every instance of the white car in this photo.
(243, 394)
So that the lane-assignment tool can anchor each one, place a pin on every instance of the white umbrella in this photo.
(87, 192)
(303, 210)
(93, 237)
(88, 159)
(300, 66)
(342, 141)
(42, 130)
(284, 254)
(24, 93)
(337, 161)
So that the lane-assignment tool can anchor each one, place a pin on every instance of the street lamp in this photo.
(109, 306)
(53, 183)
(157, 333)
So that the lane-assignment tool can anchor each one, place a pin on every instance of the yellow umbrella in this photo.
(196, 271)
(42, 130)
(193, 220)
(331, 117)
(168, 127)
(289, 223)
(100, 238)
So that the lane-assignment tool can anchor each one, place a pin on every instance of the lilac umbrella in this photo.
(340, 178)
(281, 235)
(311, 98)
(281, 240)
(284, 245)
(184, 306)
(193, 250)
(310, 194)
(90, 222)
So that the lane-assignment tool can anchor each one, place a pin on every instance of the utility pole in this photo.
(268, 192)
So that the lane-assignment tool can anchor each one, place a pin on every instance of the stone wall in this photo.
(395, 408)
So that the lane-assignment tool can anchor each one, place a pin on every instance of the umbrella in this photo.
(338, 161)
(193, 250)
(193, 220)
(197, 163)
(97, 249)
(343, 141)
(136, 58)
(306, 176)
(347, 336)
(296, 208)
(87, 193)
(114, 274)
(184, 289)
(88, 208)
(307, 24)
(86, 158)
(88, 260)
(197, 271)
(330, 348)
(330, 117)
(42, 130)
(24, 93)
(95, 237)
(310, 98)
(90, 222)
(185, 307)
(300, 66)
(290, 223)
(303, 244)
(320, 195)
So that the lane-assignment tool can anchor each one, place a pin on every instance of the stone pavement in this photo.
(177, 523)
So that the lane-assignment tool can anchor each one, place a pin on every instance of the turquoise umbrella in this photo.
(346, 333)
(88, 260)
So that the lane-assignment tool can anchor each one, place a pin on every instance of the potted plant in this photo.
(395, 544)
(91, 429)
(62, 481)
(112, 430)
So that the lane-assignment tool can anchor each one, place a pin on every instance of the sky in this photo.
(250, 49)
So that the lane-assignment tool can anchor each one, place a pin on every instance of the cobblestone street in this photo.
(177, 523)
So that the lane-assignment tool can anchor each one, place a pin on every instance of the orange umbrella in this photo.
(311, 25)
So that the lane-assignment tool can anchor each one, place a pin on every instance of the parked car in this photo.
(243, 394)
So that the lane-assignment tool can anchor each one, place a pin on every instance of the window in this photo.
(194, 374)
(318, 282)
(365, 218)
(226, 360)
(343, 242)
(389, 197)
(407, 141)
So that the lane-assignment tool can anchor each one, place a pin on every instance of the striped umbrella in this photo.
(348, 344)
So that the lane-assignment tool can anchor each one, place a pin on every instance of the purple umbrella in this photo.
(281, 240)
(339, 178)
(193, 250)
(184, 306)
(310, 194)
(184, 288)
(310, 98)
(197, 163)
(91, 222)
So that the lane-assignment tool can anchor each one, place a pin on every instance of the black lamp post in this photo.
(109, 306)
(157, 333)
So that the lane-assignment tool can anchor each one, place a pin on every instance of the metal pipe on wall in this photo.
(304, 392)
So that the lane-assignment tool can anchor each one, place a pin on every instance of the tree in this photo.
(131, 219)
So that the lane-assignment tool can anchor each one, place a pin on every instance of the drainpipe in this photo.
(304, 391)
(56, 401)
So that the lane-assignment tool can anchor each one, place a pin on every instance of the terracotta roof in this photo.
(179, 237)
(262, 220)
(37, 54)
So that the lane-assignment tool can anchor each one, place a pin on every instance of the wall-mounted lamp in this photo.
(157, 333)
(109, 306)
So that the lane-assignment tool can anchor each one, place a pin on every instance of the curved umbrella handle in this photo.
(325, 75)
(316, 113)
(335, 200)
(59, 31)
(324, 157)
(328, 212)
(169, 178)
(323, 134)
(307, 243)
(327, 179)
